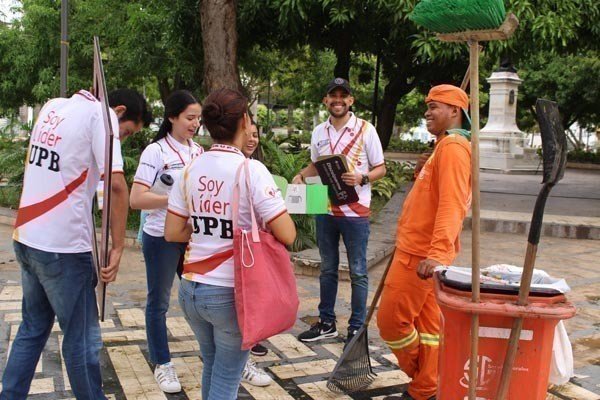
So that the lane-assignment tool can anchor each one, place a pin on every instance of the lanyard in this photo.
(177, 152)
(332, 148)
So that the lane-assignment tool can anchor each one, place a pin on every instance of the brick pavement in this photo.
(300, 371)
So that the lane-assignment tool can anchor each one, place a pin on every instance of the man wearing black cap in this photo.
(344, 133)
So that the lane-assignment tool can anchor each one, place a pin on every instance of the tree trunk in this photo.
(220, 43)
(164, 89)
(394, 90)
(343, 49)
(306, 124)
(290, 119)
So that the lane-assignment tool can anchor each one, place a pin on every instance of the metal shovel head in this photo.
(353, 371)
(554, 140)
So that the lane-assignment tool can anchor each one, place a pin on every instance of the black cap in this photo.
(339, 83)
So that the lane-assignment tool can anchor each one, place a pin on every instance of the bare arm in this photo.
(310, 170)
(355, 178)
(377, 173)
(177, 228)
(143, 199)
(283, 229)
(118, 218)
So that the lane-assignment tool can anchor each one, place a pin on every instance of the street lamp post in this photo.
(64, 47)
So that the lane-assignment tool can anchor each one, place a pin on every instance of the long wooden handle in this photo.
(474, 73)
(466, 79)
(535, 230)
(378, 291)
(515, 333)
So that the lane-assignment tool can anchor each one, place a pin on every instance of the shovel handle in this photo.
(535, 230)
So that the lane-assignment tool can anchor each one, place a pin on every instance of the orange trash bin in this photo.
(496, 314)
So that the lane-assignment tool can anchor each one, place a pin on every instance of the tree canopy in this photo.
(291, 48)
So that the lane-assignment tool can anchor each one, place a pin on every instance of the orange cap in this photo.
(449, 94)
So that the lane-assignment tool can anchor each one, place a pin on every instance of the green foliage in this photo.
(13, 153)
(397, 174)
(407, 146)
(144, 43)
(282, 163)
(582, 156)
(573, 81)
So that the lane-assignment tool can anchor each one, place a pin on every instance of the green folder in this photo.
(317, 199)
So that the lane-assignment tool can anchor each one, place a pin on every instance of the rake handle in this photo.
(377, 294)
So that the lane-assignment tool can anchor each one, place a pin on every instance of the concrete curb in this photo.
(558, 226)
(587, 166)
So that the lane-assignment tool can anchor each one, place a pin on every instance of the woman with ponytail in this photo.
(204, 196)
(160, 163)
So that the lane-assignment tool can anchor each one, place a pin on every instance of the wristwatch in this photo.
(364, 180)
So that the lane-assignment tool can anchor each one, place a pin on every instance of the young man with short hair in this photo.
(427, 236)
(356, 139)
(53, 235)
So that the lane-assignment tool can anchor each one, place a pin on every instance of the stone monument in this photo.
(503, 147)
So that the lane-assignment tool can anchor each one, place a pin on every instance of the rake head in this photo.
(353, 371)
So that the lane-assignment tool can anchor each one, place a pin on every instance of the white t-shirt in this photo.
(359, 142)
(204, 193)
(165, 156)
(64, 163)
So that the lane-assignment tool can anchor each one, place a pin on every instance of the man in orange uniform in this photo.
(428, 236)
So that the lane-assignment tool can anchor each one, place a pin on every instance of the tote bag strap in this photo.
(236, 200)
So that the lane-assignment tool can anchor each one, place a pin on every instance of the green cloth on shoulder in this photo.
(462, 132)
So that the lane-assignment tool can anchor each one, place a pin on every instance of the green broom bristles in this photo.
(448, 16)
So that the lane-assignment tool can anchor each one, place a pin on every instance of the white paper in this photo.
(295, 199)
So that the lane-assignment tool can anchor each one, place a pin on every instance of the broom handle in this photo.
(474, 72)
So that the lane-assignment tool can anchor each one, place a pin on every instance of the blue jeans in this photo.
(355, 233)
(210, 311)
(162, 258)
(61, 285)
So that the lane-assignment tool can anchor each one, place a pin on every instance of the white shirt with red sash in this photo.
(204, 194)
(359, 142)
(63, 167)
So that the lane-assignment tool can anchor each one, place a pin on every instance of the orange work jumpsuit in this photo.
(429, 227)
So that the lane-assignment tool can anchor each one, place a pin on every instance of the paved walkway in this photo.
(300, 371)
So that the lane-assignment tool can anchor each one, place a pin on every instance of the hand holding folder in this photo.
(330, 169)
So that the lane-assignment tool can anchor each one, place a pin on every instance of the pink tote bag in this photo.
(266, 297)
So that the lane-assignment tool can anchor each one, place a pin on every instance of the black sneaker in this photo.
(259, 350)
(351, 333)
(320, 330)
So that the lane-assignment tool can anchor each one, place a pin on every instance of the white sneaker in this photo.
(254, 375)
(166, 377)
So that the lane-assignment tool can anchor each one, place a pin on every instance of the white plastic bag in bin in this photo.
(561, 365)
(509, 275)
